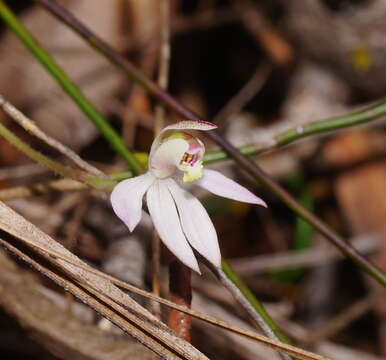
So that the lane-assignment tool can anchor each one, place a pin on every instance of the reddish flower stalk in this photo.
(180, 285)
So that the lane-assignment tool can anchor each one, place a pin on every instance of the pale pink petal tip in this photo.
(260, 201)
(207, 125)
(220, 185)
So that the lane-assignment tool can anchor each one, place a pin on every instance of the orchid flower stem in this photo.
(180, 283)
(68, 86)
(247, 164)
(155, 272)
(251, 304)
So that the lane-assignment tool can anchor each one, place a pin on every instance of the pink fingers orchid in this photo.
(180, 219)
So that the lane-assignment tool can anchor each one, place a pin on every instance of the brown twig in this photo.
(342, 320)
(251, 266)
(244, 95)
(21, 171)
(164, 61)
(73, 226)
(277, 49)
(163, 81)
(54, 217)
(62, 185)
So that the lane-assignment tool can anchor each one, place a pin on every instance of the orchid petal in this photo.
(165, 218)
(126, 198)
(196, 224)
(219, 184)
(182, 125)
(166, 157)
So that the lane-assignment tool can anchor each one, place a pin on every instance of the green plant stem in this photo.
(256, 304)
(211, 157)
(251, 304)
(66, 171)
(68, 86)
(300, 132)
(330, 124)
(244, 162)
(37, 156)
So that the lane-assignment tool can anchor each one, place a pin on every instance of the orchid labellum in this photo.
(180, 219)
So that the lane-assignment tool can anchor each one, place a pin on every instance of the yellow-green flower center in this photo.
(192, 173)
(191, 161)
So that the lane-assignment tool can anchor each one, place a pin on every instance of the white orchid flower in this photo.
(180, 219)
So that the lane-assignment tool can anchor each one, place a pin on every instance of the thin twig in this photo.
(53, 165)
(261, 264)
(163, 81)
(72, 227)
(21, 171)
(203, 20)
(275, 46)
(64, 170)
(61, 185)
(244, 95)
(31, 127)
(342, 320)
(164, 61)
